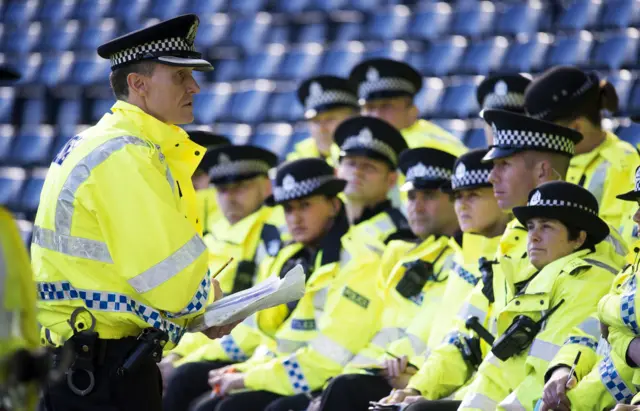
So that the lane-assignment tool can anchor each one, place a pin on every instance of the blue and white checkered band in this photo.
(365, 139)
(638, 179)
(292, 189)
(464, 177)
(238, 168)
(538, 201)
(374, 84)
(533, 139)
(318, 97)
(509, 100)
(133, 53)
(563, 94)
(422, 172)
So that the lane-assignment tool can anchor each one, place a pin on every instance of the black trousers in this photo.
(243, 401)
(352, 392)
(188, 382)
(298, 402)
(138, 390)
(441, 405)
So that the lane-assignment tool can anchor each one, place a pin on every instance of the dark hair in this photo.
(573, 233)
(118, 77)
(605, 98)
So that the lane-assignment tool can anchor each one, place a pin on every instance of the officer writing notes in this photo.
(117, 251)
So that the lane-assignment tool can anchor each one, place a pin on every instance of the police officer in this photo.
(249, 233)
(205, 194)
(117, 251)
(603, 163)
(369, 151)
(327, 102)
(386, 90)
(501, 92)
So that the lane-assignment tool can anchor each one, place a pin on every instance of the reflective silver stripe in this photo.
(251, 321)
(596, 185)
(603, 348)
(6, 317)
(71, 246)
(345, 257)
(512, 403)
(263, 351)
(385, 224)
(261, 254)
(363, 360)
(331, 349)
(479, 401)
(470, 310)
(417, 344)
(591, 326)
(601, 265)
(80, 173)
(320, 299)
(387, 335)
(170, 178)
(378, 251)
(493, 360)
(296, 376)
(620, 248)
(170, 266)
(289, 346)
(493, 322)
(543, 350)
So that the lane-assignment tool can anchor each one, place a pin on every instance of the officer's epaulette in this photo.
(576, 266)
(270, 236)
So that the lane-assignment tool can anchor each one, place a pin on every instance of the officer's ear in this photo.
(392, 179)
(336, 204)
(137, 84)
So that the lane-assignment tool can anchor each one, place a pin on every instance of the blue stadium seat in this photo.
(7, 101)
(99, 107)
(458, 101)
(473, 19)
(32, 189)
(34, 110)
(387, 24)
(89, 69)
(33, 146)
(290, 7)
(55, 68)
(456, 127)
(211, 102)
(55, 11)
(316, 32)
(364, 5)
(94, 34)
(526, 55)
(212, 30)
(347, 31)
(59, 142)
(237, 133)
(226, 69)
(296, 137)
(442, 56)
(633, 105)
(129, 11)
(475, 138)
(69, 112)
(427, 98)
(430, 21)
(571, 49)
(300, 62)
(483, 56)
(91, 10)
(619, 14)
(273, 137)
(623, 82)
(29, 70)
(60, 37)
(327, 5)
(21, 40)
(26, 230)
(163, 9)
(284, 106)
(630, 133)
(578, 15)
(396, 50)
(7, 137)
(615, 51)
(249, 103)
(11, 182)
(340, 59)
(246, 7)
(249, 32)
(518, 18)
(279, 34)
(203, 7)
(20, 12)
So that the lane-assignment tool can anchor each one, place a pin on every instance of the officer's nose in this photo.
(493, 176)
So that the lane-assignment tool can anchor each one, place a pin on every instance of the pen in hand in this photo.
(572, 372)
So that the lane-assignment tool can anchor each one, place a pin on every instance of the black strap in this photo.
(246, 270)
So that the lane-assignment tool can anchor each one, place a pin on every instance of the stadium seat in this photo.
(91, 10)
(89, 68)
(483, 56)
(339, 59)
(59, 142)
(29, 69)
(430, 21)
(237, 133)
(7, 137)
(60, 37)
(387, 24)
(68, 112)
(129, 11)
(395, 50)
(33, 146)
(633, 105)
(21, 40)
(19, 13)
(296, 137)
(290, 7)
(248, 103)
(280, 33)
(226, 69)
(32, 189)
(55, 11)
(572, 49)
(284, 106)
(93, 34)
(55, 68)
(458, 101)
(246, 7)
(33, 110)
(619, 14)
(99, 107)
(629, 133)
(579, 15)
(327, 5)
(263, 63)
(623, 82)
(519, 18)
(314, 32)
(26, 231)
(273, 137)
(203, 7)
(473, 19)
(365, 5)
(526, 55)
(249, 32)
(7, 101)
(11, 182)
(615, 51)
(163, 9)
(475, 138)
(427, 98)
(442, 56)
(456, 127)
(300, 62)
(211, 102)
(212, 30)
(347, 31)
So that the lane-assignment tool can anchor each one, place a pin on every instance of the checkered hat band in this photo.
(427, 173)
(638, 182)
(534, 139)
(385, 84)
(330, 97)
(371, 144)
(238, 168)
(471, 178)
(583, 89)
(299, 189)
(562, 203)
(510, 100)
(166, 45)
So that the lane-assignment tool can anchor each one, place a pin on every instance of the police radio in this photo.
(486, 269)
(416, 275)
(519, 335)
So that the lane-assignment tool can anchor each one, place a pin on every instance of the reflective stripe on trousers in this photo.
(479, 401)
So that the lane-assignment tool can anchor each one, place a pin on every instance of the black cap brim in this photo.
(496, 153)
(421, 184)
(330, 188)
(629, 196)
(311, 113)
(196, 64)
(368, 153)
(234, 178)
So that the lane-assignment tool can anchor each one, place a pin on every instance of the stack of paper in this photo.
(236, 307)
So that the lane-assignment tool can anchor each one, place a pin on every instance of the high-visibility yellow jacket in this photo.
(18, 328)
(118, 231)
(208, 209)
(381, 224)
(399, 311)
(607, 171)
(308, 148)
(574, 284)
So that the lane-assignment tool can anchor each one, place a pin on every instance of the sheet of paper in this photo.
(236, 307)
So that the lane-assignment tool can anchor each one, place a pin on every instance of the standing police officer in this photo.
(117, 251)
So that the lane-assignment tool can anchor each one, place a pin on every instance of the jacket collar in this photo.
(544, 279)
(475, 246)
(331, 244)
(370, 212)
(236, 233)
